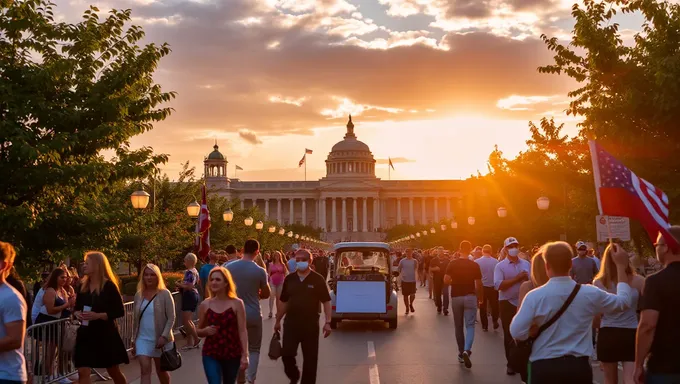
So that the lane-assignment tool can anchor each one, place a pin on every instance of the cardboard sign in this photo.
(619, 227)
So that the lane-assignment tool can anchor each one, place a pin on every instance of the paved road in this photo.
(422, 350)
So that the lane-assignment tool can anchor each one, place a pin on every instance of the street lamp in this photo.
(297, 237)
(259, 225)
(282, 231)
(502, 212)
(140, 199)
(471, 220)
(412, 237)
(418, 234)
(543, 203)
(454, 225)
(228, 216)
(248, 221)
(193, 209)
(424, 233)
(271, 229)
(443, 227)
(290, 233)
(432, 230)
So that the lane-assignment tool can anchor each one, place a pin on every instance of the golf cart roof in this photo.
(355, 245)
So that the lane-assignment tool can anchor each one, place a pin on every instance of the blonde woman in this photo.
(98, 304)
(153, 318)
(189, 291)
(539, 276)
(222, 321)
(616, 338)
(277, 271)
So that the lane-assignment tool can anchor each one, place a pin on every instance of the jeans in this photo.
(489, 303)
(3, 381)
(221, 371)
(254, 328)
(464, 316)
(305, 334)
(662, 378)
(508, 311)
(561, 370)
(441, 295)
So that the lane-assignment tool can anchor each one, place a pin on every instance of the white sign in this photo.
(361, 297)
(619, 227)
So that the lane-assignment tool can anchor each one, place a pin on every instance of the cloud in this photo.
(523, 103)
(249, 136)
(395, 160)
(347, 107)
(288, 100)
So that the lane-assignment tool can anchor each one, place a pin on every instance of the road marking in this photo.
(373, 375)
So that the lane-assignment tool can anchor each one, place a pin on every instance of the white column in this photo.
(279, 218)
(304, 211)
(292, 211)
(365, 216)
(317, 220)
(355, 216)
(334, 216)
(376, 217)
(411, 218)
(266, 208)
(436, 209)
(344, 214)
(322, 223)
(448, 208)
(398, 211)
(423, 215)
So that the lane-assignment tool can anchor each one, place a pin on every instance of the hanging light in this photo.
(282, 231)
(443, 227)
(228, 216)
(417, 234)
(432, 230)
(140, 200)
(454, 225)
(543, 203)
(271, 229)
(471, 220)
(297, 236)
(259, 225)
(424, 233)
(502, 212)
(248, 221)
(413, 237)
(193, 209)
(290, 233)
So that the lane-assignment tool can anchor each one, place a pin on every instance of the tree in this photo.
(68, 93)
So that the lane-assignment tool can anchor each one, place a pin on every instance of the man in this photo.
(407, 271)
(477, 253)
(302, 295)
(508, 275)
(12, 323)
(251, 286)
(596, 259)
(438, 268)
(203, 273)
(657, 335)
(465, 278)
(583, 269)
(560, 354)
(39, 284)
(292, 265)
(321, 265)
(487, 264)
(232, 255)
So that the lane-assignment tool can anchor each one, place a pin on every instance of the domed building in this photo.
(350, 203)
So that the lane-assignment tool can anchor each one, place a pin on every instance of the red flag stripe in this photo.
(651, 201)
(658, 196)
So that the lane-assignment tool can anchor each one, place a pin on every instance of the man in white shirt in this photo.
(560, 355)
(487, 264)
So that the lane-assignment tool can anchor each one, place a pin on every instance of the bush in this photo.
(129, 282)
(129, 288)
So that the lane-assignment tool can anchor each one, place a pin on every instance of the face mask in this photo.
(302, 265)
(513, 252)
(581, 253)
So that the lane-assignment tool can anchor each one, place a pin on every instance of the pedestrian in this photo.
(153, 317)
(277, 271)
(321, 265)
(583, 268)
(12, 323)
(487, 263)
(438, 269)
(465, 278)
(407, 271)
(222, 321)
(190, 299)
(15, 281)
(213, 259)
(561, 352)
(232, 255)
(250, 281)
(508, 275)
(616, 335)
(537, 278)
(291, 263)
(657, 334)
(303, 294)
(39, 284)
(98, 305)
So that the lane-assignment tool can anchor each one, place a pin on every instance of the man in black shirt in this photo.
(302, 294)
(465, 278)
(657, 335)
(438, 267)
(321, 265)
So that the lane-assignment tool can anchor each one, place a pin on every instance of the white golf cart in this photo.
(362, 284)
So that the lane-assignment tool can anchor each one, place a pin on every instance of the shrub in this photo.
(129, 282)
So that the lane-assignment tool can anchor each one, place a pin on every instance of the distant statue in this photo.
(350, 128)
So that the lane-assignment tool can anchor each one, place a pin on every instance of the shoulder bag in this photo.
(171, 359)
(521, 350)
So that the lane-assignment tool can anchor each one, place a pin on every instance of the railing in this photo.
(46, 360)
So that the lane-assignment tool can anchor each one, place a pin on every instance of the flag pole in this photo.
(305, 166)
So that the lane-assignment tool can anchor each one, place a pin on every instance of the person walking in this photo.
(213, 259)
(277, 272)
(250, 281)
(232, 254)
(465, 278)
(190, 299)
(559, 316)
(584, 268)
(98, 305)
(321, 265)
(657, 333)
(12, 323)
(487, 263)
(303, 295)
(153, 317)
(407, 271)
(441, 291)
(508, 275)
(222, 321)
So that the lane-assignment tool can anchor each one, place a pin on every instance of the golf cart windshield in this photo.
(354, 261)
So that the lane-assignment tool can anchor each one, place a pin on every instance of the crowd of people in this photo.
(561, 306)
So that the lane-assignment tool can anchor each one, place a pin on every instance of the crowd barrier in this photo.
(47, 360)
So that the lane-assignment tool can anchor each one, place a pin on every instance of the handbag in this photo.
(275, 346)
(171, 359)
(521, 350)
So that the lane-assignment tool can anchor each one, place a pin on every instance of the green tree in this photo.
(69, 93)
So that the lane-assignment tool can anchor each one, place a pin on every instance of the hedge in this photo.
(129, 282)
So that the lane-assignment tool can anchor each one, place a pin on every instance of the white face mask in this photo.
(302, 266)
(513, 252)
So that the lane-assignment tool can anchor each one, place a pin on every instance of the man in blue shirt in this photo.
(205, 270)
(12, 323)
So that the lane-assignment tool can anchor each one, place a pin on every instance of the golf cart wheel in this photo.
(334, 324)
(392, 323)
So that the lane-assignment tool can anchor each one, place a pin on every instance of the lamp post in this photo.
(228, 216)
(139, 200)
(543, 203)
(248, 221)
(502, 212)
(471, 220)
(454, 224)
(443, 227)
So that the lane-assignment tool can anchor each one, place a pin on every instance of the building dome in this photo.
(215, 154)
(350, 157)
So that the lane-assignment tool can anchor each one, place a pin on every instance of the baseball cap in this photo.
(509, 241)
(581, 244)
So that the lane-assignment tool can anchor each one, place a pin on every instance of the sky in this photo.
(432, 84)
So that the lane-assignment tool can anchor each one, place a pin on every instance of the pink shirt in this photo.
(276, 273)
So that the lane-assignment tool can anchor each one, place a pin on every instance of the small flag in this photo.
(302, 161)
(621, 193)
(239, 168)
(308, 151)
(390, 161)
(202, 243)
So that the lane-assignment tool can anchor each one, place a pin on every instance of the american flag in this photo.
(620, 192)
(202, 243)
(302, 161)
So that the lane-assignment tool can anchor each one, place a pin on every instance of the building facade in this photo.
(350, 203)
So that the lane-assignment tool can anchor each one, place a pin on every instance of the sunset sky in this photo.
(434, 84)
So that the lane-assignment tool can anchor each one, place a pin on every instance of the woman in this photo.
(190, 298)
(277, 271)
(539, 276)
(616, 338)
(153, 318)
(222, 321)
(98, 304)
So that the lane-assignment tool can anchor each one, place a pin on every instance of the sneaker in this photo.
(466, 359)
(510, 372)
(407, 310)
(270, 315)
(460, 359)
(439, 311)
(412, 309)
(485, 329)
(446, 313)
(495, 325)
